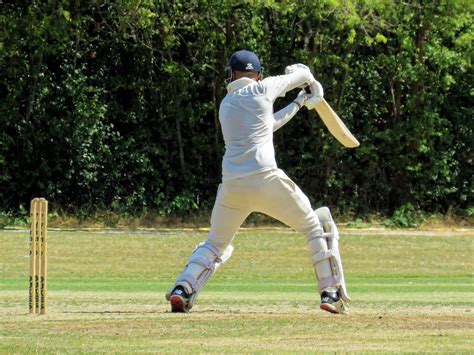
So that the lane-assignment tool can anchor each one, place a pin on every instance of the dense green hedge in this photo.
(113, 104)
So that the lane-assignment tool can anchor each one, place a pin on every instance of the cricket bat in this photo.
(335, 125)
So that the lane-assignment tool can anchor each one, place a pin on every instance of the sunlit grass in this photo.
(106, 294)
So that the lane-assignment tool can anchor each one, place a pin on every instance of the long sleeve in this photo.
(281, 117)
(278, 86)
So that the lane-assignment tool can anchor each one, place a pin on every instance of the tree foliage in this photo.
(113, 104)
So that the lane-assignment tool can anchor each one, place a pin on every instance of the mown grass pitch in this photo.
(411, 292)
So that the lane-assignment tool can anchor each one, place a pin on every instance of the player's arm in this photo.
(297, 75)
(281, 117)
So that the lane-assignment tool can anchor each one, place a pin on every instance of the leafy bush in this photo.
(406, 216)
(114, 104)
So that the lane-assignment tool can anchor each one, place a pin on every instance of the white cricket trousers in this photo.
(272, 193)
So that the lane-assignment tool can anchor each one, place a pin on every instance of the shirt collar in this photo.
(239, 84)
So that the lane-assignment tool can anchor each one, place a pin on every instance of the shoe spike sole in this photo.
(328, 308)
(178, 304)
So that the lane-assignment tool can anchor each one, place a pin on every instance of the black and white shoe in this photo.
(331, 302)
(179, 300)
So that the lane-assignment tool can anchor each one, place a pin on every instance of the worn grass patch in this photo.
(411, 293)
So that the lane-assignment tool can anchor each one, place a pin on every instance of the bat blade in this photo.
(335, 125)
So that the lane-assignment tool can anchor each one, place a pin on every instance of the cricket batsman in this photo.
(252, 182)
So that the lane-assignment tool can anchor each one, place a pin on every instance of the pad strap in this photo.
(212, 248)
(321, 256)
(322, 235)
(200, 260)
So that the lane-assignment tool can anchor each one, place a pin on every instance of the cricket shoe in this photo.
(331, 302)
(179, 300)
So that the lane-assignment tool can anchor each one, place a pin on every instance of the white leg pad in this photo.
(320, 255)
(331, 235)
(201, 265)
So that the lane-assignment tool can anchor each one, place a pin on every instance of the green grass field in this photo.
(411, 292)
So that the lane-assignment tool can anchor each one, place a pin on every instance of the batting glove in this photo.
(317, 94)
(301, 99)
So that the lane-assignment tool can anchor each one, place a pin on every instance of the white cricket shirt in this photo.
(248, 122)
